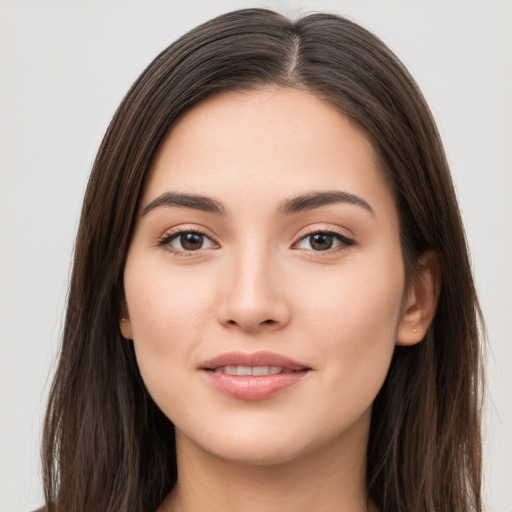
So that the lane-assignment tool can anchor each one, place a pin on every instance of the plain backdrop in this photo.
(65, 66)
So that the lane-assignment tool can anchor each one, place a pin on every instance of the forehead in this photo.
(280, 141)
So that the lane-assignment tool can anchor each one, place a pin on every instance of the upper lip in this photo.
(253, 359)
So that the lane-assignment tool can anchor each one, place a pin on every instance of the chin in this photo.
(257, 454)
(245, 445)
(271, 446)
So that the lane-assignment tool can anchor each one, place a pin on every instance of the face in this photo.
(264, 280)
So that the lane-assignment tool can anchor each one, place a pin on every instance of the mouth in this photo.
(245, 371)
(253, 376)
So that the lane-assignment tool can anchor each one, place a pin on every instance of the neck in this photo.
(328, 479)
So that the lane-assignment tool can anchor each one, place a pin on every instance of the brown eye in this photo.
(324, 241)
(321, 241)
(186, 241)
(191, 241)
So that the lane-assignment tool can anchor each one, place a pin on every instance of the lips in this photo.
(252, 376)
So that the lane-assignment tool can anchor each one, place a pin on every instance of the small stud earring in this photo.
(414, 330)
(123, 319)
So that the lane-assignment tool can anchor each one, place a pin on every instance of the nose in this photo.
(253, 298)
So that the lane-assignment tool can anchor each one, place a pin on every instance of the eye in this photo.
(186, 241)
(323, 241)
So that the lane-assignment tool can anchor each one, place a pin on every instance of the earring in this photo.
(123, 319)
(414, 330)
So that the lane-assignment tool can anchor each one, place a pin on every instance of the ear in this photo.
(421, 300)
(125, 325)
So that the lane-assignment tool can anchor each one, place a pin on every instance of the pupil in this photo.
(191, 241)
(321, 242)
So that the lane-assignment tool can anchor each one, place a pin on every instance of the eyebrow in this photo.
(196, 202)
(297, 204)
(317, 199)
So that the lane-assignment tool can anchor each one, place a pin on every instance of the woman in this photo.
(271, 304)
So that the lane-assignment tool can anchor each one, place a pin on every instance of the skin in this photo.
(258, 283)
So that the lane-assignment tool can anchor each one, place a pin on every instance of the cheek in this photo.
(353, 321)
(168, 312)
(365, 299)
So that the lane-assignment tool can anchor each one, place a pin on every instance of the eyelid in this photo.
(173, 233)
(345, 241)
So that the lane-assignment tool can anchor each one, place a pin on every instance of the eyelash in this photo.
(339, 236)
(166, 240)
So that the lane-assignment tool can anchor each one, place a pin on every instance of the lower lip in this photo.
(253, 387)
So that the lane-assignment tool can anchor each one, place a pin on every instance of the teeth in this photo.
(260, 370)
(231, 370)
(244, 371)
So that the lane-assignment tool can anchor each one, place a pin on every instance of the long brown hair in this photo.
(106, 445)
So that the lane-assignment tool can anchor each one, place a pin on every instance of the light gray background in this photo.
(65, 66)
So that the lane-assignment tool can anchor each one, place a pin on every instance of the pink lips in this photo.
(252, 376)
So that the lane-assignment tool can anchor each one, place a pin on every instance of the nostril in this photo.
(269, 321)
